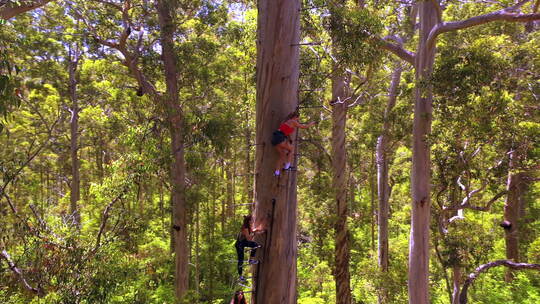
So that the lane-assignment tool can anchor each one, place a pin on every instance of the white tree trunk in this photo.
(421, 166)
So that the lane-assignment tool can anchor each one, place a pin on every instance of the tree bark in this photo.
(421, 173)
(340, 91)
(175, 119)
(383, 188)
(275, 197)
(516, 187)
(75, 185)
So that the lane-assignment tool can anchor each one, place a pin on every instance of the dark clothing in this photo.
(278, 137)
(240, 245)
(240, 237)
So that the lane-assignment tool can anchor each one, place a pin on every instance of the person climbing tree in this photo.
(245, 239)
(238, 298)
(283, 143)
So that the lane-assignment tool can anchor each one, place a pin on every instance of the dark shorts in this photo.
(278, 137)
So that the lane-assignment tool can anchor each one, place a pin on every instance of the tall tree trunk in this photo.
(420, 177)
(75, 185)
(516, 187)
(175, 118)
(277, 89)
(340, 91)
(383, 188)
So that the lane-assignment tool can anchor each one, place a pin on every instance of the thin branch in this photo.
(467, 205)
(483, 268)
(509, 14)
(31, 229)
(5, 255)
(105, 217)
(130, 58)
(396, 49)
(43, 224)
(7, 12)
(487, 206)
(470, 194)
(126, 23)
(30, 157)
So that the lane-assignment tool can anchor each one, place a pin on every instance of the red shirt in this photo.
(286, 129)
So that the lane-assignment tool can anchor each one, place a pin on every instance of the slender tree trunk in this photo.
(175, 118)
(340, 91)
(277, 89)
(421, 170)
(456, 283)
(99, 159)
(372, 190)
(383, 188)
(248, 178)
(211, 216)
(230, 171)
(75, 185)
(197, 250)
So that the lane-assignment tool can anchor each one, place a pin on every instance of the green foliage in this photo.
(352, 32)
(486, 96)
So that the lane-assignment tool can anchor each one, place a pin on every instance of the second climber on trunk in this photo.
(245, 239)
(283, 143)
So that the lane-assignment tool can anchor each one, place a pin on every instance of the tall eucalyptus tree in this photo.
(431, 25)
(136, 16)
(275, 197)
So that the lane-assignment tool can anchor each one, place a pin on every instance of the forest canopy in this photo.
(136, 135)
